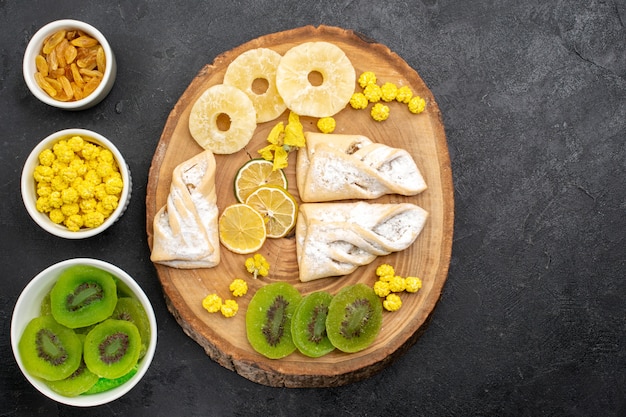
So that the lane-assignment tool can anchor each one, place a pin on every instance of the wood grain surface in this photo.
(224, 339)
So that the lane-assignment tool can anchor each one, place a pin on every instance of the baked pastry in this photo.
(185, 229)
(334, 239)
(338, 167)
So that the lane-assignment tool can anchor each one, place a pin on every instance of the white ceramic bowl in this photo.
(29, 191)
(27, 308)
(34, 48)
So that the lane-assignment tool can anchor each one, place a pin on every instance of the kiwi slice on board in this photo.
(112, 348)
(354, 319)
(268, 319)
(49, 350)
(83, 295)
(308, 325)
(130, 309)
(106, 384)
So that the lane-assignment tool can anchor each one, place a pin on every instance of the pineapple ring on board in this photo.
(237, 124)
(254, 73)
(295, 79)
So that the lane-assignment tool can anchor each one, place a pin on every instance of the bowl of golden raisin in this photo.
(83, 332)
(75, 184)
(69, 64)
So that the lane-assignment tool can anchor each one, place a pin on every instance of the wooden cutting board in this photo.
(224, 339)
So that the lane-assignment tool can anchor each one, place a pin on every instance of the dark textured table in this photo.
(532, 319)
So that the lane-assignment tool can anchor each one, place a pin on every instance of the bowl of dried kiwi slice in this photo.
(83, 332)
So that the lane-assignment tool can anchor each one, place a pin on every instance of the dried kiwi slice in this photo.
(308, 325)
(130, 309)
(112, 348)
(268, 319)
(79, 382)
(45, 308)
(106, 384)
(123, 290)
(83, 295)
(354, 318)
(49, 350)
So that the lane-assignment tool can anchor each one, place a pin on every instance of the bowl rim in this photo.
(27, 184)
(39, 286)
(35, 44)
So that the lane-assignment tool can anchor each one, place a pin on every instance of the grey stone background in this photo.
(532, 319)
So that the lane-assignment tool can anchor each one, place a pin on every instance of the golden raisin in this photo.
(56, 84)
(45, 85)
(67, 87)
(53, 41)
(90, 86)
(42, 65)
(100, 59)
(84, 41)
(78, 79)
(53, 63)
(70, 53)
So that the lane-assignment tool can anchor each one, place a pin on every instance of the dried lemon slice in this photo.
(303, 63)
(255, 173)
(254, 73)
(277, 206)
(222, 102)
(242, 229)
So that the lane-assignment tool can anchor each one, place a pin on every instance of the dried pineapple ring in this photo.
(303, 97)
(252, 65)
(215, 102)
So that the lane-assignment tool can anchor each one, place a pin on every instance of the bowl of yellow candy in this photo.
(75, 184)
(83, 332)
(69, 64)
